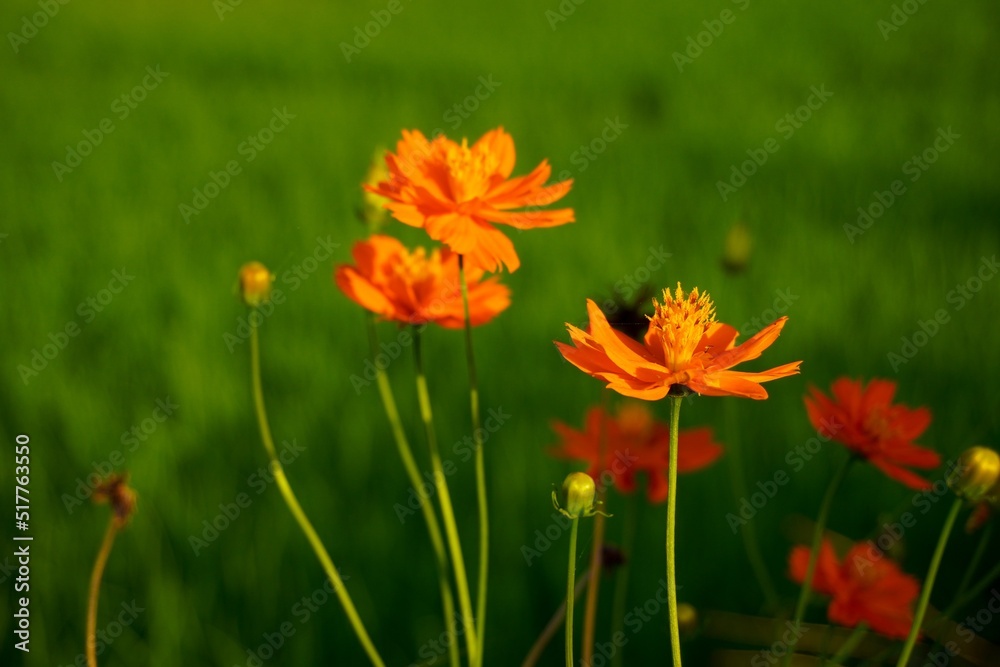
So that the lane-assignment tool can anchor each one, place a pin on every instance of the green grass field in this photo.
(161, 336)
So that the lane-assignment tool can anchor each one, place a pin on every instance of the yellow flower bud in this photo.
(736, 252)
(373, 211)
(687, 619)
(577, 496)
(255, 284)
(977, 475)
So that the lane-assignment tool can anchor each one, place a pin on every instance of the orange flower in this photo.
(413, 288)
(455, 192)
(866, 587)
(866, 422)
(684, 348)
(634, 442)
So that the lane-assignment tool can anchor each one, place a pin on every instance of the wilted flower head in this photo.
(115, 490)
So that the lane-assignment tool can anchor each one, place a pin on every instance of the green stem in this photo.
(847, 648)
(925, 594)
(817, 541)
(675, 635)
(447, 511)
(977, 557)
(978, 589)
(621, 580)
(570, 598)
(296, 509)
(430, 517)
(550, 630)
(484, 516)
(749, 531)
(95, 590)
(596, 548)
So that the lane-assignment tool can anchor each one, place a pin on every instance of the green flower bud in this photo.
(577, 497)
(977, 475)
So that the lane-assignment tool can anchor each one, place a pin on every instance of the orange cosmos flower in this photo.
(866, 587)
(455, 192)
(865, 420)
(684, 347)
(634, 442)
(414, 287)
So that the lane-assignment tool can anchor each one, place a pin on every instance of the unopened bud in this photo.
(255, 284)
(736, 252)
(977, 475)
(687, 619)
(577, 496)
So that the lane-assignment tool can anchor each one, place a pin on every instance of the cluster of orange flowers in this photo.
(458, 194)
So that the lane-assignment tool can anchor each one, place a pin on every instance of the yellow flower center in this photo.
(469, 170)
(680, 322)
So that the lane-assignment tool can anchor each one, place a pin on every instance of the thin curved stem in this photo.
(749, 532)
(300, 516)
(95, 590)
(430, 517)
(847, 648)
(925, 593)
(977, 557)
(596, 549)
(481, 499)
(621, 579)
(447, 511)
(675, 635)
(570, 586)
(553, 627)
(817, 541)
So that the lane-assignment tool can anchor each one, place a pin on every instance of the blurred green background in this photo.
(557, 84)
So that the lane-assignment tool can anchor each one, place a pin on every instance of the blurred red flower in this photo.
(414, 287)
(633, 441)
(684, 346)
(865, 587)
(455, 191)
(865, 420)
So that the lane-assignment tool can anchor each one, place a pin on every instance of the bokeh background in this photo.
(560, 73)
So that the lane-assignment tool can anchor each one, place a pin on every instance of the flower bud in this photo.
(977, 475)
(255, 284)
(577, 496)
(736, 252)
(687, 619)
(373, 211)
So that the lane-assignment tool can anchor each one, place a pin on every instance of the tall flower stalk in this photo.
(447, 510)
(255, 285)
(430, 517)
